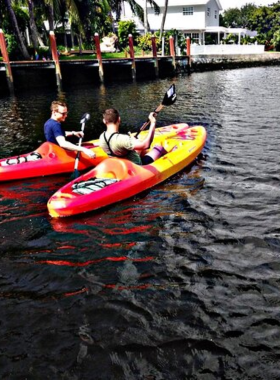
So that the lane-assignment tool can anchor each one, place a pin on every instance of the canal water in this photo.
(180, 282)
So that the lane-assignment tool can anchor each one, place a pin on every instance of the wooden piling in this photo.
(6, 60)
(172, 51)
(99, 57)
(131, 52)
(188, 41)
(55, 59)
(154, 49)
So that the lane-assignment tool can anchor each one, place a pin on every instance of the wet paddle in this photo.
(168, 100)
(83, 121)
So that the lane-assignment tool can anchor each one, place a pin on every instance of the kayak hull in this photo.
(124, 179)
(56, 160)
(53, 160)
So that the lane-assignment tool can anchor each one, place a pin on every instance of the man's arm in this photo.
(63, 143)
(74, 133)
(145, 143)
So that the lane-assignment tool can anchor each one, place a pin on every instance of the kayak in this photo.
(116, 179)
(50, 159)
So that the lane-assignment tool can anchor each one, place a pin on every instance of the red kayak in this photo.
(48, 159)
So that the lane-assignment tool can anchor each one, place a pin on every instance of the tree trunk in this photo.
(33, 27)
(65, 37)
(145, 17)
(50, 17)
(18, 35)
(80, 44)
(163, 19)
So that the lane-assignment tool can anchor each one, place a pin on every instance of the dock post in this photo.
(6, 60)
(189, 53)
(55, 59)
(172, 51)
(131, 52)
(99, 57)
(154, 48)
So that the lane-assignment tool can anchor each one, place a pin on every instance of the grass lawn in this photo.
(88, 55)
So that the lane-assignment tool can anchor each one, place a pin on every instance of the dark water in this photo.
(181, 282)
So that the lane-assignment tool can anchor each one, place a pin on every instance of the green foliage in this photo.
(232, 18)
(12, 44)
(124, 29)
(231, 39)
(210, 39)
(145, 42)
(179, 40)
(247, 40)
(265, 20)
(238, 18)
(276, 40)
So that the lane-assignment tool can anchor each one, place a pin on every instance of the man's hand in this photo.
(152, 117)
(78, 134)
(89, 152)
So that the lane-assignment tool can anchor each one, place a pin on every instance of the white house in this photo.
(191, 17)
(194, 18)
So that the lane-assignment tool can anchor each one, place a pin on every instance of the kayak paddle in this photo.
(83, 121)
(168, 100)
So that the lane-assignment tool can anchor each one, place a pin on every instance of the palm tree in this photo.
(145, 17)
(18, 35)
(34, 35)
(163, 19)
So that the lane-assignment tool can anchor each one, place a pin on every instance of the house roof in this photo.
(184, 3)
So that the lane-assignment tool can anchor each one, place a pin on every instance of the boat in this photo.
(116, 179)
(50, 159)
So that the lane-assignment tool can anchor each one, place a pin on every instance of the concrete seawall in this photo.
(227, 61)
(42, 74)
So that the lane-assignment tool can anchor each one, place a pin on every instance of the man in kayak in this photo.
(121, 145)
(56, 135)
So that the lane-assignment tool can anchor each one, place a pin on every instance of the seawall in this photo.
(30, 74)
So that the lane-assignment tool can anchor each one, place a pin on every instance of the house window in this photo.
(208, 12)
(216, 14)
(187, 11)
(195, 37)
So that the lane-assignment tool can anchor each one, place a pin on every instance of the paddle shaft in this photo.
(169, 98)
(79, 144)
(144, 126)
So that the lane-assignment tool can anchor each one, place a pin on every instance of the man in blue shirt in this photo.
(55, 134)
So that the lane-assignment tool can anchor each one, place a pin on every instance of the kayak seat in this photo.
(34, 156)
(94, 184)
(115, 168)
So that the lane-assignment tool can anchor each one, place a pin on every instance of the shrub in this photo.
(124, 29)
(145, 42)
(276, 40)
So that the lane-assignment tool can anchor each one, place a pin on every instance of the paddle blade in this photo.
(170, 96)
(85, 118)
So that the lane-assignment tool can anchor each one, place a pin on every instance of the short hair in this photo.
(56, 103)
(111, 115)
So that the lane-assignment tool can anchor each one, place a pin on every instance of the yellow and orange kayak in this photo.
(116, 179)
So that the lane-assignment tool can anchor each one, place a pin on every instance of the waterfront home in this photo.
(194, 18)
